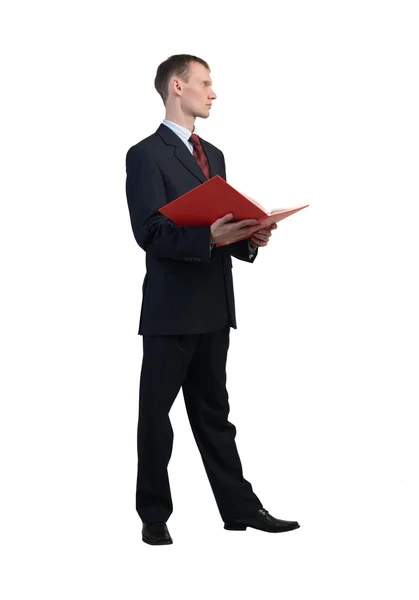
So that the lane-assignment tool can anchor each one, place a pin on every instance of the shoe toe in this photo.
(156, 533)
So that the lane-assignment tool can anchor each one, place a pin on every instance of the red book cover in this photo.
(215, 198)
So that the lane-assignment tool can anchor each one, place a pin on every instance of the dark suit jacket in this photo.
(187, 288)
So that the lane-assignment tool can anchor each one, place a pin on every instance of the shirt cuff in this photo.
(252, 250)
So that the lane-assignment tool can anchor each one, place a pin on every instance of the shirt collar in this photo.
(183, 132)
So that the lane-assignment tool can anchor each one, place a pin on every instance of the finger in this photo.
(248, 230)
(248, 223)
(226, 218)
(263, 235)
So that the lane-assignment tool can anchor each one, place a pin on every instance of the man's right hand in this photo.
(224, 231)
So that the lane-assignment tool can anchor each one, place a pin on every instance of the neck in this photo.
(180, 118)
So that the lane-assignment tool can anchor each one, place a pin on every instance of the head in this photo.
(185, 86)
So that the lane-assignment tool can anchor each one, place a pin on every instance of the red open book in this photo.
(215, 198)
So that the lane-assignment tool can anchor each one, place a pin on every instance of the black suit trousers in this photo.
(197, 363)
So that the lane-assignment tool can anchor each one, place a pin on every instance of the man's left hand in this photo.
(261, 237)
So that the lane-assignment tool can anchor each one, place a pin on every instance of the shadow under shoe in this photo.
(156, 534)
(261, 520)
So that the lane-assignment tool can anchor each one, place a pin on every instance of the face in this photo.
(197, 95)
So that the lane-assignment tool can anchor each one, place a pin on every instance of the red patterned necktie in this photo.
(199, 154)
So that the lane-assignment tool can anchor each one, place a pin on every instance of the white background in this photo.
(317, 103)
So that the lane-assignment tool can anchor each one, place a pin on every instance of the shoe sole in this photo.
(158, 543)
(235, 526)
(243, 527)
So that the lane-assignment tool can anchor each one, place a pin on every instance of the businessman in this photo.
(187, 308)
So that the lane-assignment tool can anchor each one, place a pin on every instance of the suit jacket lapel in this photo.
(183, 155)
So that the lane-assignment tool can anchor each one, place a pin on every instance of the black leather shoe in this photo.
(156, 533)
(262, 520)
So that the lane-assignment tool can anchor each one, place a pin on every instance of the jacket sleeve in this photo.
(153, 231)
(242, 251)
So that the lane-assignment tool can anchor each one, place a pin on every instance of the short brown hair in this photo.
(178, 66)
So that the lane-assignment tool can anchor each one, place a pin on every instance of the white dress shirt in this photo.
(185, 134)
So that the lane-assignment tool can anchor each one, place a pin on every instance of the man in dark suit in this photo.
(188, 308)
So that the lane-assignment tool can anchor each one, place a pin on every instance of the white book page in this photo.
(255, 202)
(275, 210)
